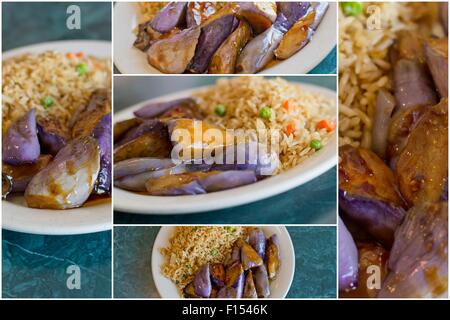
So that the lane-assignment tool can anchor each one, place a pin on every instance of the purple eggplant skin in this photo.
(216, 180)
(235, 278)
(418, 261)
(320, 8)
(257, 240)
(202, 282)
(175, 185)
(189, 291)
(21, 143)
(211, 37)
(227, 293)
(250, 257)
(147, 126)
(218, 275)
(103, 134)
(261, 280)
(235, 255)
(249, 287)
(69, 179)
(436, 53)
(259, 51)
(377, 217)
(140, 165)
(52, 135)
(289, 13)
(273, 256)
(382, 119)
(171, 16)
(155, 109)
(348, 259)
(413, 86)
(173, 55)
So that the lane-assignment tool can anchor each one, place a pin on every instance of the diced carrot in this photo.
(70, 55)
(290, 128)
(288, 105)
(325, 124)
(79, 54)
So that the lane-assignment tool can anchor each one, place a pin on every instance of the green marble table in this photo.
(314, 202)
(315, 262)
(35, 266)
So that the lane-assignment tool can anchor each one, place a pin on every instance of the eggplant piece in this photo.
(199, 12)
(249, 287)
(296, 37)
(235, 278)
(235, 255)
(52, 135)
(21, 175)
(122, 127)
(260, 15)
(418, 260)
(250, 257)
(436, 52)
(218, 275)
(144, 39)
(408, 46)
(259, 51)
(217, 181)
(211, 37)
(156, 109)
(173, 55)
(320, 8)
(368, 194)
(261, 280)
(273, 256)
(140, 165)
(69, 179)
(202, 282)
(257, 240)
(224, 59)
(147, 126)
(413, 86)
(422, 166)
(443, 15)
(102, 133)
(171, 16)
(348, 259)
(175, 185)
(155, 143)
(381, 121)
(87, 119)
(21, 144)
(289, 13)
(181, 112)
(7, 185)
(227, 293)
(371, 256)
(189, 291)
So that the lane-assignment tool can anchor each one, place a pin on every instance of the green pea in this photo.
(220, 110)
(352, 8)
(81, 68)
(213, 252)
(316, 144)
(265, 113)
(47, 102)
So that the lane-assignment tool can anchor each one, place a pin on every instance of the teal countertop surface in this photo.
(315, 262)
(35, 266)
(314, 202)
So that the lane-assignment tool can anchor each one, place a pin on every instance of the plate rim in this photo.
(282, 229)
(239, 199)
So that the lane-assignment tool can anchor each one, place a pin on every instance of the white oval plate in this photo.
(130, 60)
(311, 168)
(279, 288)
(92, 218)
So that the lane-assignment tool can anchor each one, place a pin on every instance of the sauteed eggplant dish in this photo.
(187, 146)
(56, 129)
(222, 262)
(225, 37)
(393, 166)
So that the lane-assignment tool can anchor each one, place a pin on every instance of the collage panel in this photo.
(224, 262)
(393, 150)
(229, 149)
(56, 150)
